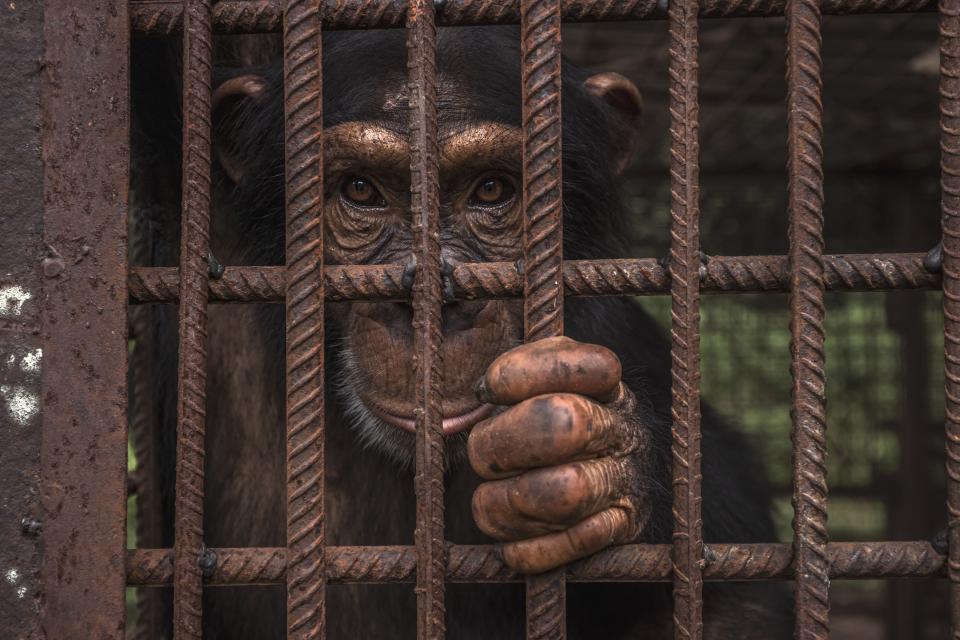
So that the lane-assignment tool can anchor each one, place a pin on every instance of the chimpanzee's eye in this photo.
(360, 192)
(492, 191)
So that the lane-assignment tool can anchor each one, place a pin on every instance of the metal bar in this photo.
(84, 98)
(427, 301)
(475, 281)
(805, 207)
(192, 356)
(471, 564)
(542, 241)
(950, 208)
(21, 277)
(165, 17)
(303, 104)
(685, 320)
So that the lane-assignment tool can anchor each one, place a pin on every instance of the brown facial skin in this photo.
(563, 454)
(368, 221)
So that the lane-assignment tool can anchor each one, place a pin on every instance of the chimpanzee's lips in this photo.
(450, 425)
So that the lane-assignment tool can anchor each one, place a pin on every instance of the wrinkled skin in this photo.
(565, 462)
(556, 449)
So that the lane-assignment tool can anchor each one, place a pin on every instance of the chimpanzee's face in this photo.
(368, 221)
(367, 210)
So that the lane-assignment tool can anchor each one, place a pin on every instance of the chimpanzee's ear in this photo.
(228, 97)
(624, 97)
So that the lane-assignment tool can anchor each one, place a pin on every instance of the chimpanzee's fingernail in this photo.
(481, 390)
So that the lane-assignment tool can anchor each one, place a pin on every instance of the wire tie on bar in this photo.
(214, 268)
(207, 561)
(941, 542)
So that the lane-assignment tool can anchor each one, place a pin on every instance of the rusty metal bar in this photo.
(83, 452)
(475, 281)
(427, 302)
(303, 103)
(950, 208)
(805, 208)
(685, 320)
(165, 17)
(21, 278)
(540, 51)
(192, 355)
(481, 564)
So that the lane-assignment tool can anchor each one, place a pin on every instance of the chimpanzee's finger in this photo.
(599, 531)
(547, 500)
(543, 432)
(551, 365)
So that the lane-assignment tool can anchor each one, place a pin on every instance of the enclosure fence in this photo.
(86, 567)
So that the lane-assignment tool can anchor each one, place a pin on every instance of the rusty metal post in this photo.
(303, 104)
(427, 301)
(84, 98)
(805, 203)
(543, 239)
(685, 320)
(950, 209)
(192, 354)
(21, 242)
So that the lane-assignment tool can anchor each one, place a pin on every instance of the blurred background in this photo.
(884, 349)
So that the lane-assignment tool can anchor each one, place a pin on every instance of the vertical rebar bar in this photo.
(192, 363)
(427, 301)
(685, 319)
(805, 202)
(303, 152)
(950, 208)
(543, 239)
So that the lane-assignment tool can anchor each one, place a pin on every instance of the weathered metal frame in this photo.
(91, 318)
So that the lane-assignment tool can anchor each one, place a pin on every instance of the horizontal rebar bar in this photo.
(481, 563)
(473, 281)
(153, 18)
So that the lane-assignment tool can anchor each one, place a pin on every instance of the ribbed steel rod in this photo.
(540, 54)
(950, 205)
(192, 355)
(685, 320)
(807, 311)
(427, 302)
(257, 16)
(473, 281)
(303, 101)
(481, 563)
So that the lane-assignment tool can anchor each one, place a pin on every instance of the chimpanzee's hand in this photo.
(564, 463)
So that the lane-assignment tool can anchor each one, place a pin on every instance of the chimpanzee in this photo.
(557, 449)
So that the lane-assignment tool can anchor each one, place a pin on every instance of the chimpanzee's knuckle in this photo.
(609, 363)
(478, 453)
(560, 490)
(559, 415)
(485, 518)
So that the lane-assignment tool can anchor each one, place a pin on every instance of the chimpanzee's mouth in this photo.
(450, 425)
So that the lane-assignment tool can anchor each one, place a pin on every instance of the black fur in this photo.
(479, 79)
